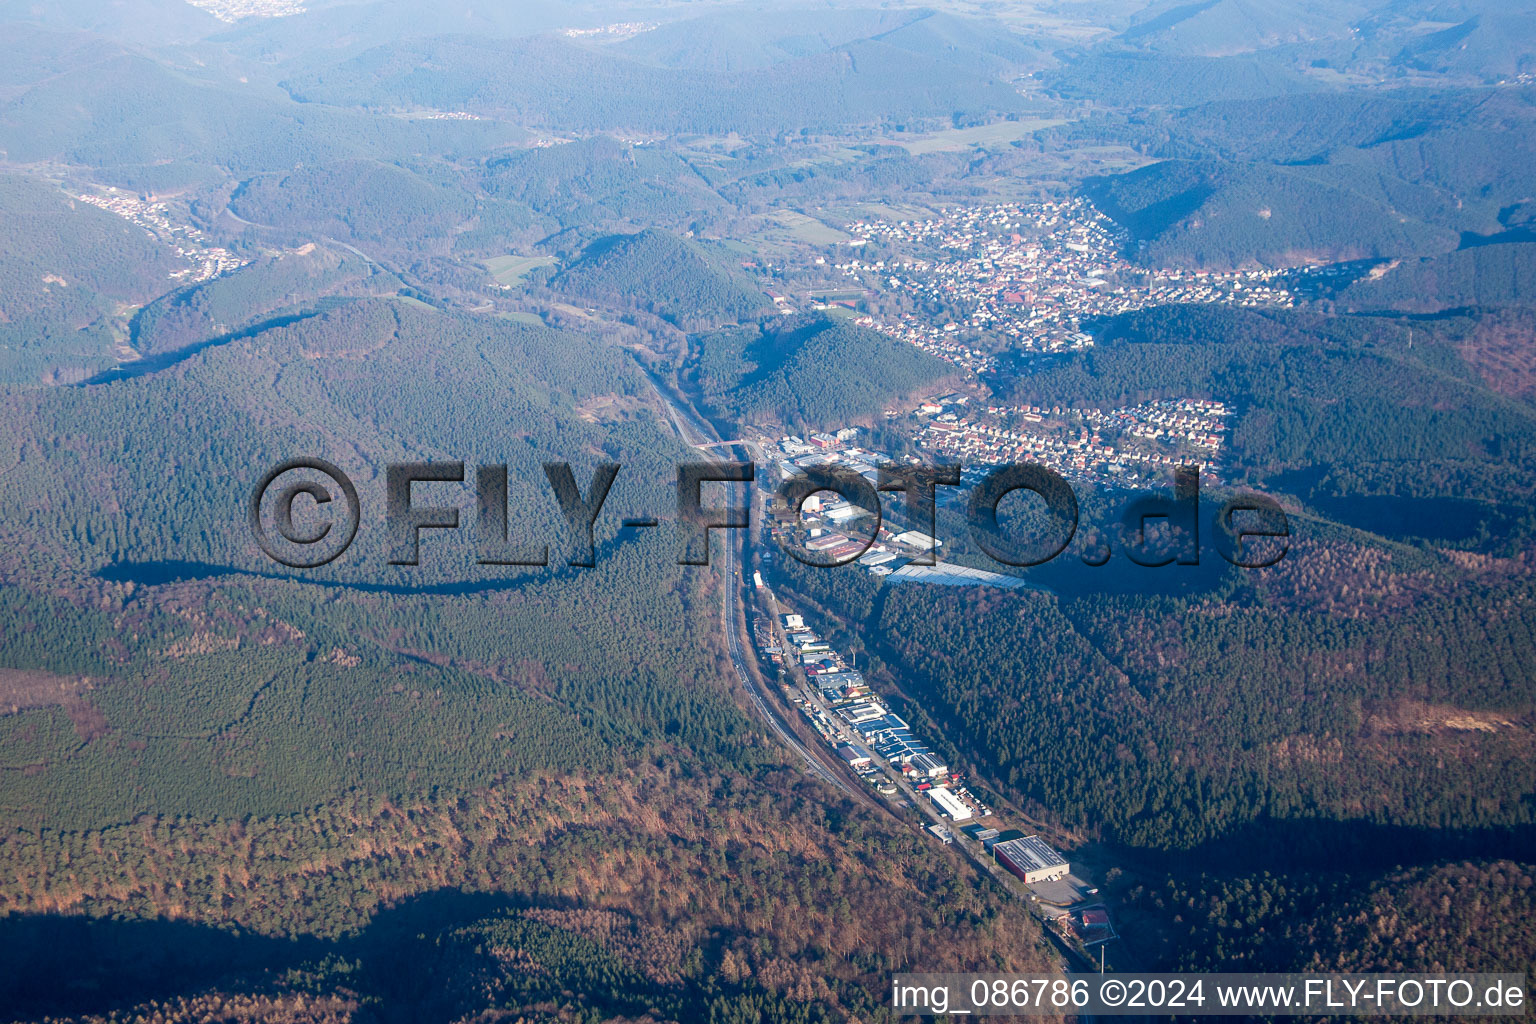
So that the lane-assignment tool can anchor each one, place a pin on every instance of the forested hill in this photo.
(148, 126)
(1379, 125)
(1484, 275)
(661, 274)
(483, 687)
(223, 778)
(1463, 916)
(738, 39)
(1229, 215)
(58, 242)
(600, 180)
(1318, 176)
(1220, 27)
(806, 373)
(64, 269)
(362, 200)
(146, 22)
(643, 893)
(1136, 79)
(288, 282)
(1497, 42)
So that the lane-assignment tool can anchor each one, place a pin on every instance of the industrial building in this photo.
(891, 738)
(880, 728)
(1031, 859)
(949, 804)
(842, 512)
(927, 764)
(948, 574)
(851, 754)
(921, 541)
(833, 684)
(866, 712)
(980, 833)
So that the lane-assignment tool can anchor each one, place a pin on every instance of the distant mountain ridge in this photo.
(1133, 78)
(1319, 176)
(1218, 28)
(865, 81)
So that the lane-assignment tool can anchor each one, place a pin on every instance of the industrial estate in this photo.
(865, 733)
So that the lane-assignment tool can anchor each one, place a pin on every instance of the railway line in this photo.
(695, 432)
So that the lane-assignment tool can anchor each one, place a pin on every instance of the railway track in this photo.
(732, 607)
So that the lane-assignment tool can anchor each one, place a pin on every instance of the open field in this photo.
(887, 211)
(511, 269)
(784, 233)
(841, 313)
(802, 228)
(957, 139)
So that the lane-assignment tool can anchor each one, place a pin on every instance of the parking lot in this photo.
(1066, 892)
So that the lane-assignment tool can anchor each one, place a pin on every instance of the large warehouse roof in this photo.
(949, 804)
(1031, 854)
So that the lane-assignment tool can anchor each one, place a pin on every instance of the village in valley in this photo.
(1119, 446)
(1024, 277)
(191, 244)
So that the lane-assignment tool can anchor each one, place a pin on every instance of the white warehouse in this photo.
(949, 804)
